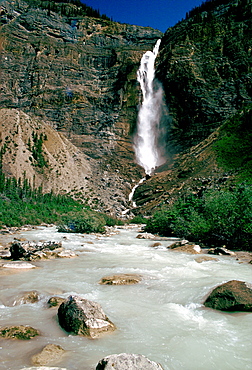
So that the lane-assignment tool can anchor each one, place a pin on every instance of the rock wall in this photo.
(205, 67)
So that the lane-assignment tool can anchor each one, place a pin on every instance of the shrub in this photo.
(219, 217)
(82, 222)
(138, 220)
(161, 222)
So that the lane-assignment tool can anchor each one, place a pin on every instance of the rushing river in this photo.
(162, 317)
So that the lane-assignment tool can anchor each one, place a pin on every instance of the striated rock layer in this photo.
(76, 75)
(205, 66)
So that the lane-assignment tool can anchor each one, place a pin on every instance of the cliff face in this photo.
(77, 75)
(205, 67)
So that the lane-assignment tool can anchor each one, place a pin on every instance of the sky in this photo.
(158, 14)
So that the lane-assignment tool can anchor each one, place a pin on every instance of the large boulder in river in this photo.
(231, 296)
(84, 317)
(127, 361)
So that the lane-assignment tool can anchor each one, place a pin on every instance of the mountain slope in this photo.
(76, 74)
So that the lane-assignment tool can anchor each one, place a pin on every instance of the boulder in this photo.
(30, 251)
(19, 332)
(205, 259)
(231, 296)
(121, 279)
(145, 236)
(67, 253)
(186, 247)
(27, 297)
(83, 317)
(125, 361)
(55, 301)
(221, 251)
(50, 354)
(155, 245)
(5, 253)
(18, 250)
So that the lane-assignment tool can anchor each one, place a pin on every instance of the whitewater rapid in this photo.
(162, 317)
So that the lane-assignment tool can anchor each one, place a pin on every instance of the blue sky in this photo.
(159, 14)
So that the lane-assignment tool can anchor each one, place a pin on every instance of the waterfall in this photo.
(146, 141)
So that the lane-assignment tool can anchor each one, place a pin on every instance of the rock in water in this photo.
(121, 279)
(27, 297)
(55, 301)
(19, 332)
(51, 353)
(231, 296)
(84, 317)
(125, 361)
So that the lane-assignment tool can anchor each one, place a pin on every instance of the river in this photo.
(162, 317)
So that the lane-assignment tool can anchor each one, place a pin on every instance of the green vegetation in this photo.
(20, 205)
(36, 149)
(221, 217)
(68, 8)
(138, 220)
(234, 147)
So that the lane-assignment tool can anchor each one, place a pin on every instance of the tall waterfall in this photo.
(146, 140)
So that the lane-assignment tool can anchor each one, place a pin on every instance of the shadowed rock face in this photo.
(204, 65)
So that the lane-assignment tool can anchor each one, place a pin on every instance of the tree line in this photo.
(68, 8)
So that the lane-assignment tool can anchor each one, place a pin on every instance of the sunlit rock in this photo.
(127, 361)
(205, 259)
(121, 279)
(185, 246)
(50, 354)
(28, 297)
(155, 245)
(145, 236)
(5, 253)
(84, 317)
(19, 332)
(232, 296)
(55, 301)
(66, 254)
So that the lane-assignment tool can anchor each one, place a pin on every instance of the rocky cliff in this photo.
(77, 75)
(205, 67)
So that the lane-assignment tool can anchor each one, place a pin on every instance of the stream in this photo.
(162, 317)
